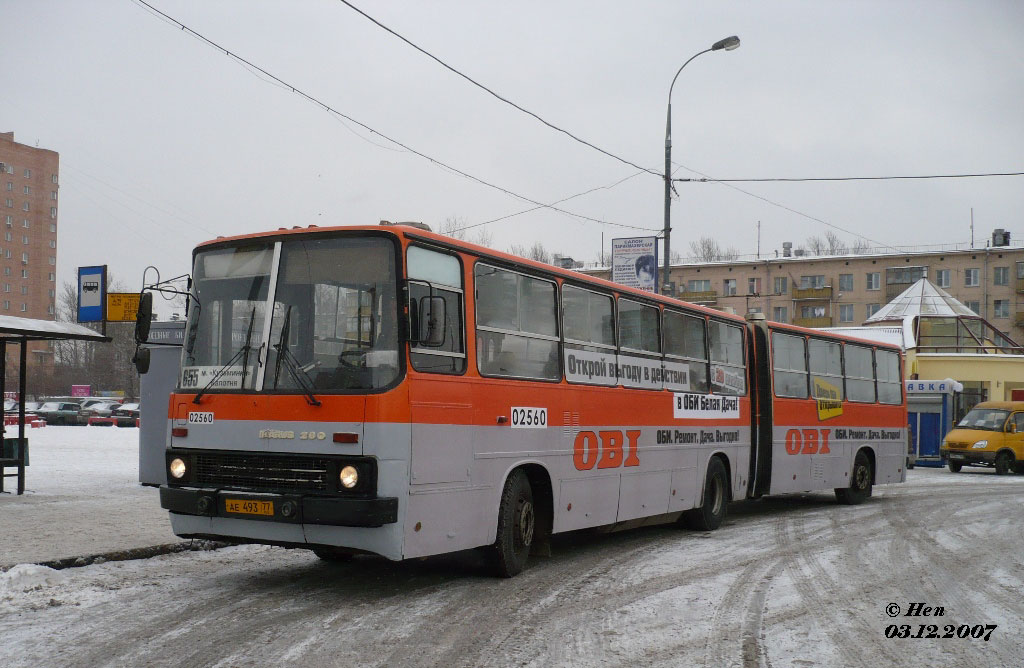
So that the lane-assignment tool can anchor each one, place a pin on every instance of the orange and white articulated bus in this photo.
(393, 391)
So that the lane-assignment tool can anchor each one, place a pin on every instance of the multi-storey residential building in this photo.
(827, 291)
(29, 180)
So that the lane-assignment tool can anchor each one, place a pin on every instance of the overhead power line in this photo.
(278, 81)
(851, 178)
(494, 94)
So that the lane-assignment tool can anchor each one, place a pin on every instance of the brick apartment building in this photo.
(831, 291)
(29, 181)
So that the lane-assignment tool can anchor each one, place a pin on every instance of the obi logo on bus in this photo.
(605, 449)
(807, 442)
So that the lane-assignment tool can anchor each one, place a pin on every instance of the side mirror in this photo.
(430, 323)
(141, 360)
(143, 317)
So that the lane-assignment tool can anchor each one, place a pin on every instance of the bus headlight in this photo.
(349, 477)
(979, 445)
(177, 468)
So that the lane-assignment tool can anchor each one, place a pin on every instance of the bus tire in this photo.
(1004, 460)
(1018, 468)
(860, 483)
(714, 505)
(516, 524)
(955, 466)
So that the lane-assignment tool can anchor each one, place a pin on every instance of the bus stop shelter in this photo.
(19, 331)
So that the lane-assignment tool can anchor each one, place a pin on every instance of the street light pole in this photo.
(727, 44)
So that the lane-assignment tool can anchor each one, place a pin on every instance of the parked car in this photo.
(126, 415)
(991, 434)
(99, 409)
(59, 412)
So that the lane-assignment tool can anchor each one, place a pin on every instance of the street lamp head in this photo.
(729, 43)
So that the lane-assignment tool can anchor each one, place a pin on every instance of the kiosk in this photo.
(930, 413)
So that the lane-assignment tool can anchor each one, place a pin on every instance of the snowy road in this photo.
(791, 581)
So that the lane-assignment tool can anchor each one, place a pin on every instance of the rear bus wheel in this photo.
(715, 503)
(516, 524)
(860, 484)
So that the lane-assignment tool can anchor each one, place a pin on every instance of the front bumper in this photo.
(969, 457)
(287, 508)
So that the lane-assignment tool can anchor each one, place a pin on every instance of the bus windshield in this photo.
(989, 419)
(333, 320)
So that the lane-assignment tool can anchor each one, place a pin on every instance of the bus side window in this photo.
(728, 372)
(639, 345)
(890, 387)
(826, 362)
(686, 357)
(860, 374)
(588, 324)
(789, 366)
(432, 273)
(516, 324)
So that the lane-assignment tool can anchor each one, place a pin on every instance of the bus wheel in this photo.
(714, 505)
(955, 466)
(334, 554)
(1004, 460)
(516, 523)
(860, 485)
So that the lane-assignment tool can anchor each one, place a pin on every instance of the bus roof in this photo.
(482, 251)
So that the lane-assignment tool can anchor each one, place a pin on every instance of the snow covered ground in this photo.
(790, 581)
(82, 497)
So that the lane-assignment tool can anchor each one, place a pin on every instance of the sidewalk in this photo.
(82, 498)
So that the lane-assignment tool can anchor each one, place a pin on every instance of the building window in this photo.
(699, 285)
(779, 313)
(7, 306)
(28, 173)
(817, 281)
(10, 186)
(53, 212)
(9, 221)
(729, 287)
(7, 271)
(753, 286)
(846, 313)
(53, 243)
(24, 273)
(9, 202)
(7, 287)
(781, 285)
(51, 293)
(53, 195)
(28, 190)
(1001, 276)
(24, 289)
(25, 206)
(53, 276)
(872, 309)
(53, 227)
(53, 177)
(972, 278)
(24, 257)
(8, 236)
(53, 260)
(1001, 308)
(24, 240)
(874, 280)
(974, 306)
(24, 307)
(25, 223)
(942, 278)
(49, 309)
(846, 282)
(812, 311)
(7, 253)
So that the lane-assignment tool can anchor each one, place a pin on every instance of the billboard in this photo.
(635, 262)
(92, 292)
(122, 306)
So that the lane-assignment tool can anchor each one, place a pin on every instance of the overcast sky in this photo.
(165, 142)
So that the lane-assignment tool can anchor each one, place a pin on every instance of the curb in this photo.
(130, 554)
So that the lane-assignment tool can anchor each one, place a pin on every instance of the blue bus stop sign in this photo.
(92, 293)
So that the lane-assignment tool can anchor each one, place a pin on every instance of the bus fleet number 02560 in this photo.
(529, 418)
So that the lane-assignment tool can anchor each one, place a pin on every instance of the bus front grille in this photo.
(262, 473)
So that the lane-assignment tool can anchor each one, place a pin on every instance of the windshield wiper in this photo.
(242, 352)
(285, 355)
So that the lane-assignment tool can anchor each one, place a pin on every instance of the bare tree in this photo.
(836, 246)
(456, 227)
(861, 247)
(535, 252)
(707, 249)
(816, 246)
